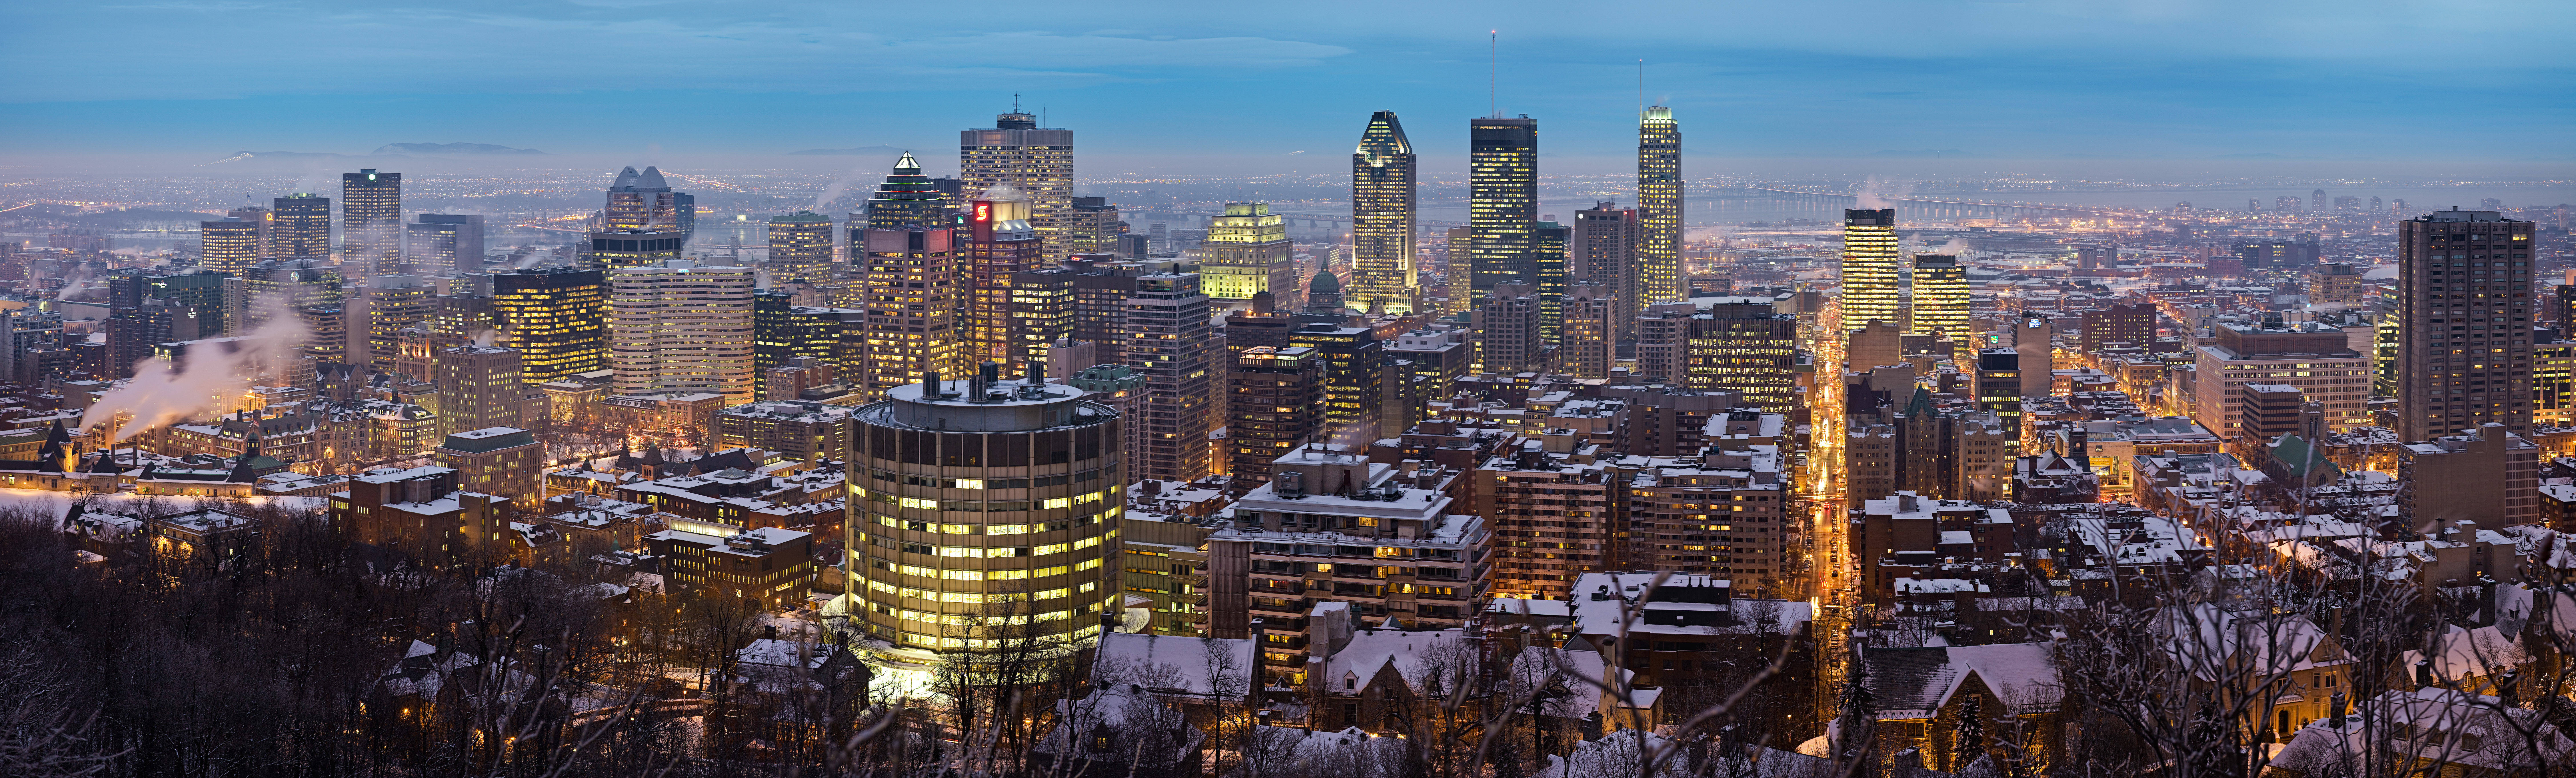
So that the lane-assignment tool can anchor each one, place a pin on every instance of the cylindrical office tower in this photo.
(983, 517)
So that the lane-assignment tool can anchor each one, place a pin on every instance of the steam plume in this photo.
(1883, 193)
(161, 394)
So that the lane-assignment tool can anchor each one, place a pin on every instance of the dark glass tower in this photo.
(370, 224)
(1502, 200)
(2464, 297)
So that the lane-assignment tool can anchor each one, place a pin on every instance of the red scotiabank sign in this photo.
(983, 212)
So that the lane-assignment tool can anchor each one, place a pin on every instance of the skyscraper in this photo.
(800, 246)
(1587, 348)
(979, 524)
(1502, 200)
(1940, 299)
(1604, 253)
(370, 224)
(1093, 227)
(1168, 343)
(1869, 272)
(1659, 207)
(681, 327)
(229, 246)
(615, 249)
(478, 387)
(643, 201)
(1247, 252)
(1508, 338)
(439, 242)
(1547, 263)
(2463, 287)
(996, 243)
(395, 302)
(1277, 404)
(2317, 201)
(557, 317)
(1014, 152)
(907, 198)
(912, 302)
(301, 227)
(1382, 214)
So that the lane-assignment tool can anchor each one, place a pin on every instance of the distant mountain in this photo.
(269, 156)
(448, 148)
(862, 151)
(1920, 153)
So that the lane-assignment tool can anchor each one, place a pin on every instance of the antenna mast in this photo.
(1641, 87)
(1493, 70)
(1015, 102)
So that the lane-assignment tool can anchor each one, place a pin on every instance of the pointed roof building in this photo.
(907, 198)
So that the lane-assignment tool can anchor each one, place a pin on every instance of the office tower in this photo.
(1738, 344)
(2463, 281)
(1869, 272)
(975, 520)
(370, 224)
(912, 304)
(1092, 226)
(202, 288)
(1940, 299)
(2242, 354)
(2035, 342)
(1548, 241)
(2377, 205)
(557, 317)
(1041, 318)
(1998, 385)
(643, 201)
(440, 242)
(1659, 207)
(783, 332)
(1168, 343)
(133, 330)
(2132, 324)
(1354, 378)
(995, 246)
(1382, 214)
(1604, 253)
(1247, 252)
(2397, 206)
(1507, 330)
(1276, 404)
(267, 221)
(300, 227)
(229, 246)
(2317, 200)
(1502, 201)
(478, 387)
(682, 328)
(906, 199)
(632, 248)
(395, 303)
(1587, 349)
(1038, 163)
(307, 287)
(800, 246)
(2337, 283)
(2265, 412)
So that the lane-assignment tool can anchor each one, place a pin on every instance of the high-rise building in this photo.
(396, 302)
(1869, 272)
(632, 248)
(979, 524)
(557, 317)
(643, 201)
(1739, 344)
(2463, 286)
(996, 244)
(1940, 299)
(370, 224)
(229, 246)
(682, 328)
(1276, 404)
(308, 288)
(800, 246)
(478, 387)
(1547, 261)
(1016, 153)
(906, 199)
(782, 331)
(1555, 518)
(1092, 226)
(1354, 378)
(1508, 338)
(2272, 353)
(1502, 201)
(203, 289)
(2132, 324)
(1041, 317)
(134, 329)
(912, 304)
(440, 242)
(1587, 349)
(2317, 200)
(1659, 207)
(1168, 343)
(1382, 218)
(1247, 252)
(1604, 253)
(1720, 513)
(300, 227)
(267, 221)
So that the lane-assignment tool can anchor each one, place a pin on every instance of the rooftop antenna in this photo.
(1493, 70)
(1015, 102)
(1641, 87)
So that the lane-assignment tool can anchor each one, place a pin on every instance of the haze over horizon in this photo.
(2168, 86)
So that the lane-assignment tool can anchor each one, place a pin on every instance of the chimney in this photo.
(930, 389)
(987, 376)
(2423, 672)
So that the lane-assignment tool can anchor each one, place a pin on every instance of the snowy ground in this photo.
(56, 503)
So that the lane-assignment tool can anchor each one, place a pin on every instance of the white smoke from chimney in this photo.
(1883, 193)
(842, 184)
(161, 394)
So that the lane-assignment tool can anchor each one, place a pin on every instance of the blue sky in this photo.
(2179, 79)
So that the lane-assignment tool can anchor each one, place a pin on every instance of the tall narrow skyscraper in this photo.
(907, 198)
(1940, 299)
(1869, 272)
(1382, 214)
(1168, 343)
(370, 224)
(800, 246)
(1659, 207)
(679, 327)
(1604, 253)
(1015, 152)
(300, 227)
(1502, 200)
(994, 245)
(1247, 252)
(1547, 262)
(2463, 281)
(912, 302)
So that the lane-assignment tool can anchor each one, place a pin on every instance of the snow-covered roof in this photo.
(1416, 657)
(1171, 664)
(1913, 683)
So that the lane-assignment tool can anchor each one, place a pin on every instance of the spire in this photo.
(907, 163)
(1383, 139)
